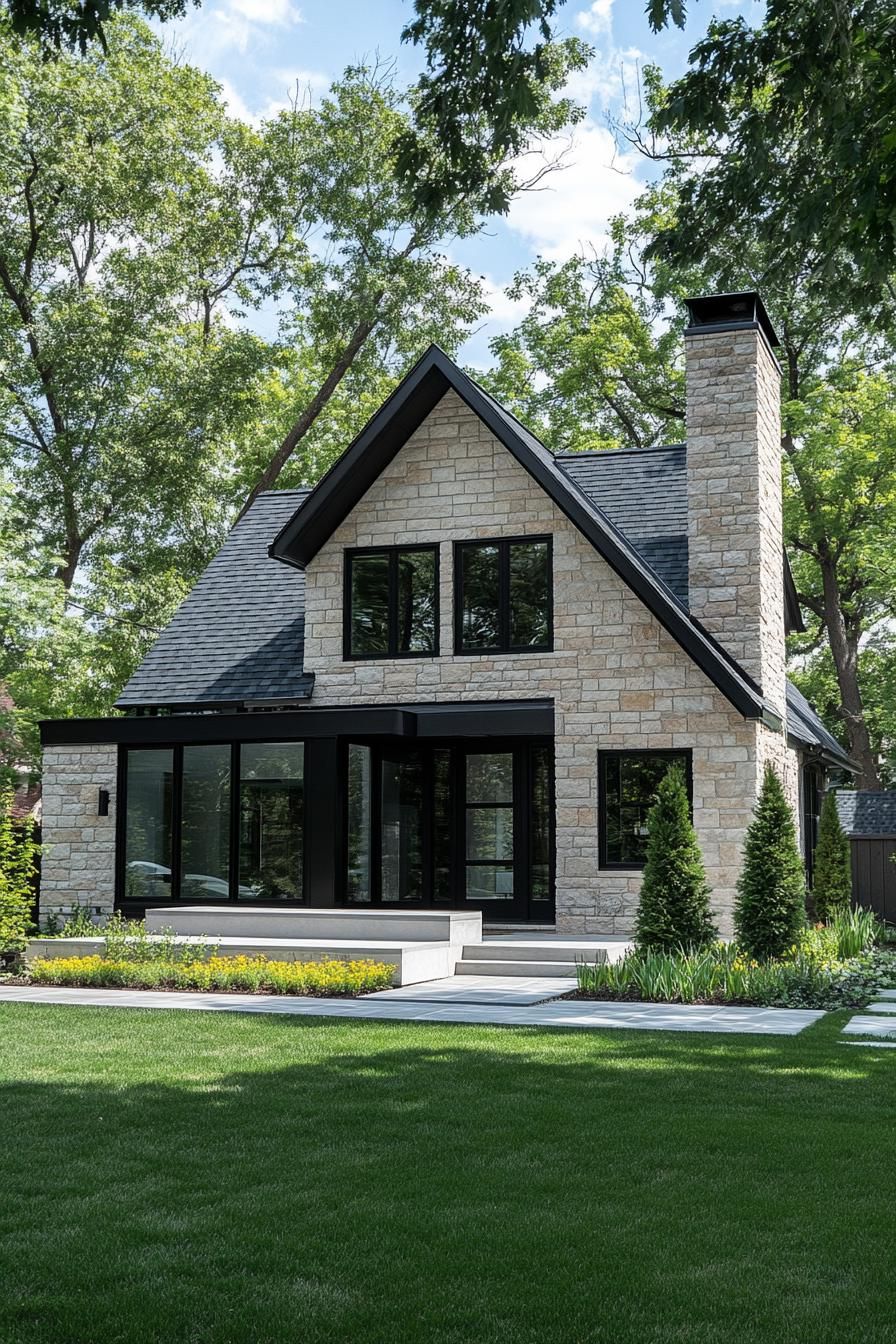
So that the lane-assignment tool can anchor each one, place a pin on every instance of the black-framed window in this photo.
(392, 602)
(212, 822)
(503, 595)
(628, 781)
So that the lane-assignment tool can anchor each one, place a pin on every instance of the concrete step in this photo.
(516, 969)
(553, 950)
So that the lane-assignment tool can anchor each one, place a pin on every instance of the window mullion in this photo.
(393, 603)
(504, 595)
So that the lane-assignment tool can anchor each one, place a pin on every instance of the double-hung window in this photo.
(502, 595)
(391, 602)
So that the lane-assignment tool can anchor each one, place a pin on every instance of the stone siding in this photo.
(617, 679)
(78, 859)
(735, 542)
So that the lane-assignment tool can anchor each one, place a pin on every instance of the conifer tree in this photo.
(770, 909)
(832, 874)
(673, 910)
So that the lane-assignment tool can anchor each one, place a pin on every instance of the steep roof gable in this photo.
(344, 485)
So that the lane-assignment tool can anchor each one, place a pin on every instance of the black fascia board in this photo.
(505, 718)
(173, 729)
(343, 486)
(352, 474)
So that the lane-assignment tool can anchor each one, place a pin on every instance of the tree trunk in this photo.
(845, 650)
(323, 394)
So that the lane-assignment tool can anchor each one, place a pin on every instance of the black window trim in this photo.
(392, 552)
(177, 748)
(602, 756)
(504, 544)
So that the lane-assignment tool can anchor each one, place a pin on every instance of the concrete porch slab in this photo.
(484, 989)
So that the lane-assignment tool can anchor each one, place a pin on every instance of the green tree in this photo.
(18, 871)
(770, 909)
(138, 414)
(795, 117)
(74, 24)
(598, 362)
(673, 908)
(832, 869)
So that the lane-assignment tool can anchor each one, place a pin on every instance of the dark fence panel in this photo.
(874, 874)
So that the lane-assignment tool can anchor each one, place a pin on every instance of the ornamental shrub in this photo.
(770, 909)
(252, 975)
(832, 880)
(673, 910)
(18, 870)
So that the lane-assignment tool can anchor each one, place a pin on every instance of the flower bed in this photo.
(248, 975)
(832, 966)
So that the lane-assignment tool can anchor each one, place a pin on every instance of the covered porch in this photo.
(408, 807)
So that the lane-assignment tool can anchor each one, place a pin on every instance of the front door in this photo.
(442, 824)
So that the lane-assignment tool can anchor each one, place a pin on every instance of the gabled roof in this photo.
(867, 813)
(806, 729)
(340, 490)
(239, 633)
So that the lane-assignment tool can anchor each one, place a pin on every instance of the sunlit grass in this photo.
(226, 1179)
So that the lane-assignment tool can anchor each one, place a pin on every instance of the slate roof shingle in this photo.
(644, 492)
(238, 635)
(867, 813)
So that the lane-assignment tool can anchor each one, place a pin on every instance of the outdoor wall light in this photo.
(102, 804)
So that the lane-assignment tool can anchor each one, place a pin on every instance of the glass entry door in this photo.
(450, 824)
(401, 827)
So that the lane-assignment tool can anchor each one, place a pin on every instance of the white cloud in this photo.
(572, 206)
(597, 19)
(503, 310)
(266, 11)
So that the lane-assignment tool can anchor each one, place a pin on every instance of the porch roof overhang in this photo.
(507, 718)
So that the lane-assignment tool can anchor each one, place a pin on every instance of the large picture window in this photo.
(503, 596)
(391, 602)
(213, 822)
(628, 784)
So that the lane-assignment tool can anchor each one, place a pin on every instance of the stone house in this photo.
(452, 674)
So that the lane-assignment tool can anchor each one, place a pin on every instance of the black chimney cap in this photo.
(729, 312)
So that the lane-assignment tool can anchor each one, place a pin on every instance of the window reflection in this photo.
(150, 792)
(272, 807)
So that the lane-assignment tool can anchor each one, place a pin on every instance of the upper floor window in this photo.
(391, 602)
(503, 595)
(628, 784)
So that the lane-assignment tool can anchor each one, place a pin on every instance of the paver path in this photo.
(390, 1008)
(878, 1020)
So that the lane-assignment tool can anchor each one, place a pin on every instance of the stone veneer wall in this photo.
(78, 859)
(735, 541)
(617, 679)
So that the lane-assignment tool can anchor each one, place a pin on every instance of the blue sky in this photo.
(258, 49)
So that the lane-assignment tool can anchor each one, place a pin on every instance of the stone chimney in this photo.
(735, 543)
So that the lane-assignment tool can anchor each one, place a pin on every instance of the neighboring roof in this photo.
(806, 729)
(644, 492)
(871, 813)
(238, 635)
(330, 502)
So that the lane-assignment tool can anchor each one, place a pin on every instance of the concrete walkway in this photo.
(389, 1007)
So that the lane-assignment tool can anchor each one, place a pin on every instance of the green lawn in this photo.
(179, 1177)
